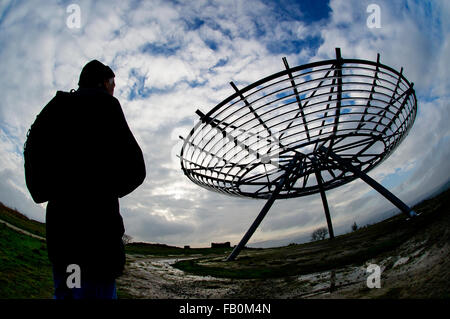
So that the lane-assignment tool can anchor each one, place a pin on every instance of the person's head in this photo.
(97, 75)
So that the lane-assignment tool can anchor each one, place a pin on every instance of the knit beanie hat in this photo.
(93, 74)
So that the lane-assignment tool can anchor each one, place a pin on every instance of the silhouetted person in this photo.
(93, 160)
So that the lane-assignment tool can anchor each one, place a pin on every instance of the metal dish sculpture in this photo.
(301, 131)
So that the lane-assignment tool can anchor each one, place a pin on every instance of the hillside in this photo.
(25, 271)
(19, 220)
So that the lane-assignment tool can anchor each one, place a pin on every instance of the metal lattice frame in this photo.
(361, 110)
(302, 131)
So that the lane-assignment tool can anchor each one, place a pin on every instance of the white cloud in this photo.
(182, 56)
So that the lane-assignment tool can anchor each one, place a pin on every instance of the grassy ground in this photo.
(25, 271)
(17, 219)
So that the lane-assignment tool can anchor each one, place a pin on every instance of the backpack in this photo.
(38, 151)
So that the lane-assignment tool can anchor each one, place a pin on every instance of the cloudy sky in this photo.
(174, 57)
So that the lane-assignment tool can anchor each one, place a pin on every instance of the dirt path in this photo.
(20, 230)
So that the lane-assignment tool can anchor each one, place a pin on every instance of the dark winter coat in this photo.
(94, 160)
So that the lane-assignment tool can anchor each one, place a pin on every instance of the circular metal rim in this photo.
(345, 176)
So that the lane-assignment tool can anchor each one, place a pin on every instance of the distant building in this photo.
(221, 245)
(187, 247)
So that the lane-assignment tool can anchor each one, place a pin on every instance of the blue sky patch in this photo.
(160, 49)
(220, 63)
(308, 11)
(294, 46)
(138, 90)
(211, 44)
(193, 24)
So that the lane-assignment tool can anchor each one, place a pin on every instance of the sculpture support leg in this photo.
(369, 180)
(325, 203)
(264, 211)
